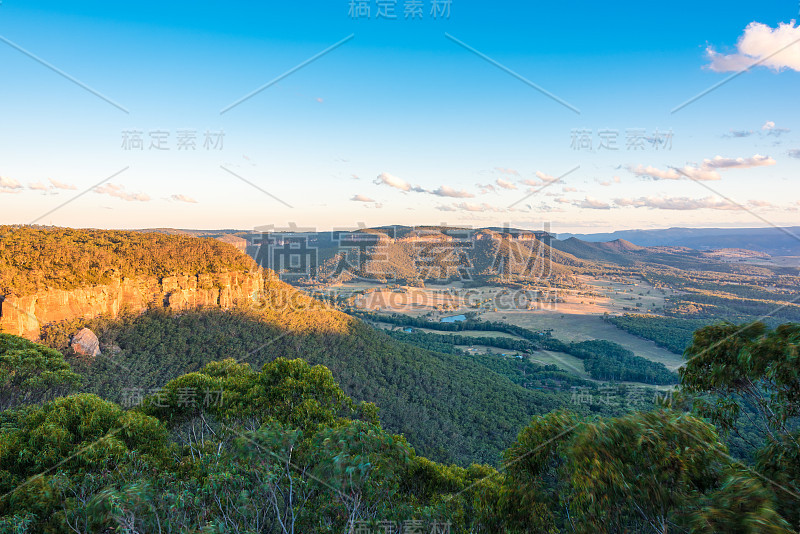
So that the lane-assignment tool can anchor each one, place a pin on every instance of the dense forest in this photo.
(450, 408)
(38, 258)
(672, 333)
(282, 448)
(606, 360)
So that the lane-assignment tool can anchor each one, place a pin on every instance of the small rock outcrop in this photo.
(85, 343)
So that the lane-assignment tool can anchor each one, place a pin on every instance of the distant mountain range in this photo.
(773, 241)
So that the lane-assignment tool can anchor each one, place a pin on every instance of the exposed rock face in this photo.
(85, 343)
(23, 316)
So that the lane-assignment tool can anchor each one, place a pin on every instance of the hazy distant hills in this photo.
(625, 254)
(773, 241)
(409, 254)
(522, 254)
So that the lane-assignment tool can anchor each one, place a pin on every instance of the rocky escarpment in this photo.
(25, 315)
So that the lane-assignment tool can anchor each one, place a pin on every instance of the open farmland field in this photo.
(569, 327)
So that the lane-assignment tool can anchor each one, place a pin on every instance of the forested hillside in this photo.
(283, 449)
(38, 258)
(450, 408)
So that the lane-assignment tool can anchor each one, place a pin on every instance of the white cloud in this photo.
(607, 183)
(182, 198)
(37, 186)
(510, 172)
(684, 203)
(794, 153)
(545, 177)
(465, 206)
(118, 191)
(445, 191)
(9, 183)
(473, 208)
(769, 47)
(505, 184)
(385, 178)
(568, 189)
(706, 171)
(593, 203)
(362, 198)
(442, 191)
(701, 174)
(770, 129)
(61, 185)
(718, 162)
(655, 173)
(543, 207)
(486, 188)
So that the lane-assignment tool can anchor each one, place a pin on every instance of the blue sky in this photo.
(400, 124)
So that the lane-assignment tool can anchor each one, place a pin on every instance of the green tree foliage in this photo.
(364, 466)
(536, 475)
(606, 360)
(519, 370)
(643, 470)
(54, 457)
(746, 380)
(660, 471)
(31, 373)
(227, 394)
(283, 454)
(672, 333)
(449, 408)
(748, 366)
(741, 505)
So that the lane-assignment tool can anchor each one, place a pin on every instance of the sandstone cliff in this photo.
(23, 316)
